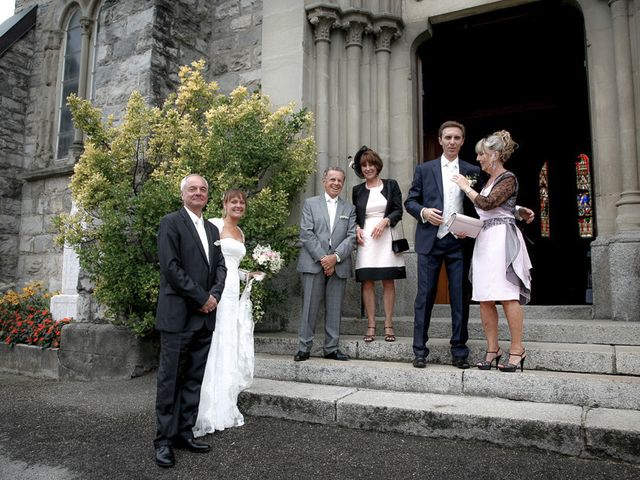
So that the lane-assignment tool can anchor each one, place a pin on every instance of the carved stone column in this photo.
(628, 217)
(356, 26)
(86, 24)
(323, 20)
(385, 31)
(615, 259)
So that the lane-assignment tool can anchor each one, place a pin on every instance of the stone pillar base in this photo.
(615, 264)
(64, 306)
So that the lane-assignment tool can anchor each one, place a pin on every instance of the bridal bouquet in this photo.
(267, 258)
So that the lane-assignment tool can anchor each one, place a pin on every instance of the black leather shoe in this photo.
(419, 362)
(337, 355)
(191, 444)
(165, 457)
(301, 356)
(460, 362)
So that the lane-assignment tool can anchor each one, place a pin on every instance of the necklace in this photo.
(378, 183)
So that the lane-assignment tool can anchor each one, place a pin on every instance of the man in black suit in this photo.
(192, 276)
(431, 200)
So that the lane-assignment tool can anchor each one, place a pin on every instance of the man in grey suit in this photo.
(328, 236)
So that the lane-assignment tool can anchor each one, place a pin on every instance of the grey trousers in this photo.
(316, 288)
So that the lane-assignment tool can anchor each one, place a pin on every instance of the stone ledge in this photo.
(30, 360)
(87, 352)
(103, 351)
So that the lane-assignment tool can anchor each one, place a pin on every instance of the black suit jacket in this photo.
(390, 191)
(186, 278)
(427, 191)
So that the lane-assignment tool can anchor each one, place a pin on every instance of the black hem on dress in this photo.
(386, 273)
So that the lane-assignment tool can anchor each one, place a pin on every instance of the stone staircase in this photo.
(579, 393)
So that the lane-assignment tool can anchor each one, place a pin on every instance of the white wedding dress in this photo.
(230, 363)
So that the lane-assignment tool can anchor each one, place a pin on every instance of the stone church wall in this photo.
(14, 93)
(235, 51)
(140, 46)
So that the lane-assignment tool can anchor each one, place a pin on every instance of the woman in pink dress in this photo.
(500, 264)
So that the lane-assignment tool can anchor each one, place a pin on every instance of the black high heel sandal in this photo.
(389, 337)
(512, 367)
(486, 364)
(368, 338)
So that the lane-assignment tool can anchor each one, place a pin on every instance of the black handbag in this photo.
(401, 244)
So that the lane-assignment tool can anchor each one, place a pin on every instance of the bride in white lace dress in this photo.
(230, 363)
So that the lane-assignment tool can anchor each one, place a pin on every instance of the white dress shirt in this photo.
(452, 196)
(332, 206)
(199, 224)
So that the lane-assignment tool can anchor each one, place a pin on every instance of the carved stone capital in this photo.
(356, 23)
(385, 32)
(86, 23)
(354, 33)
(323, 20)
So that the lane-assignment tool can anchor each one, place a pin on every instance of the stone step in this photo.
(568, 429)
(565, 330)
(562, 357)
(589, 390)
(566, 312)
(442, 313)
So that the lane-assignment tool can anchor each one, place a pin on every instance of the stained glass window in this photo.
(543, 184)
(583, 185)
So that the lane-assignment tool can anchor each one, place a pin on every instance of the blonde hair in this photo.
(231, 194)
(499, 142)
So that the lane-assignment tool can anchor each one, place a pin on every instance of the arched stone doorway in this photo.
(522, 69)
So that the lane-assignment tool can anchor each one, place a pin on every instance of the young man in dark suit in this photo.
(192, 276)
(431, 200)
(433, 197)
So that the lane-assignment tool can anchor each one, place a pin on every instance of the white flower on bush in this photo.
(267, 258)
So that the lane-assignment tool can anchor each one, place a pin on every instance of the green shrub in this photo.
(128, 179)
(25, 318)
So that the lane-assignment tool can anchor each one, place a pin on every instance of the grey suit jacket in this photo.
(317, 241)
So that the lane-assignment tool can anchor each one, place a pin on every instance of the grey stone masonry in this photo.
(181, 33)
(14, 93)
(40, 258)
(90, 352)
(235, 51)
(124, 49)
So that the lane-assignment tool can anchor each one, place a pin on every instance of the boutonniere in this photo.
(344, 217)
(217, 243)
(472, 179)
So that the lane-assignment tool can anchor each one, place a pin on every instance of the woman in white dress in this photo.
(378, 205)
(230, 363)
(500, 264)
